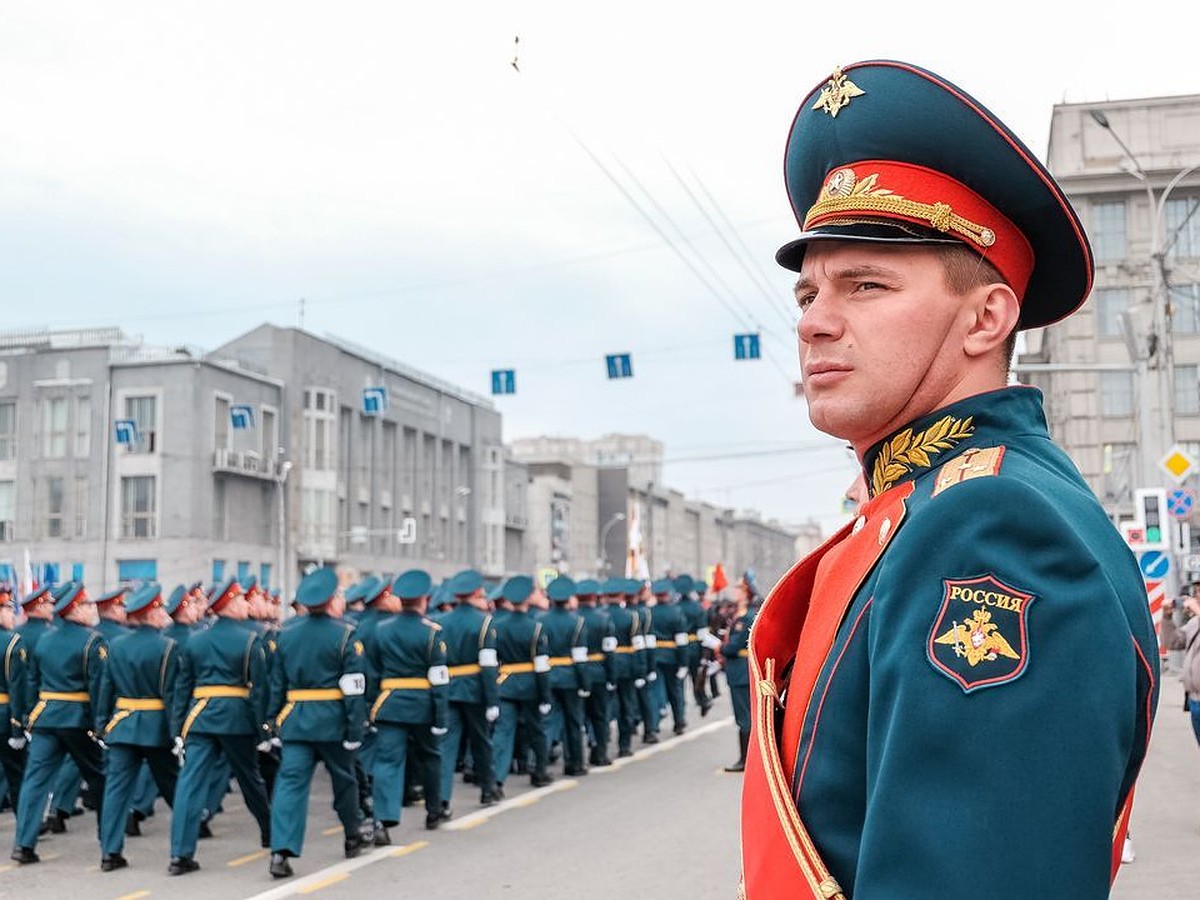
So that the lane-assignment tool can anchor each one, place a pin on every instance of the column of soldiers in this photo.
(137, 696)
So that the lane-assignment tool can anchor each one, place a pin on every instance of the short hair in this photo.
(966, 270)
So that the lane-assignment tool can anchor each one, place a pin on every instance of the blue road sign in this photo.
(504, 381)
(126, 431)
(1155, 564)
(619, 365)
(746, 346)
(1180, 502)
(374, 400)
(241, 416)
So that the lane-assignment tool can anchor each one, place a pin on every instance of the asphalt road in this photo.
(661, 823)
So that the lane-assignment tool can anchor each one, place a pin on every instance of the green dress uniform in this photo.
(64, 673)
(648, 705)
(474, 700)
(317, 703)
(14, 686)
(695, 621)
(132, 715)
(407, 691)
(566, 637)
(735, 653)
(524, 683)
(671, 651)
(599, 671)
(628, 663)
(220, 710)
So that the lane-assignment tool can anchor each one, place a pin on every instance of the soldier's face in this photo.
(881, 337)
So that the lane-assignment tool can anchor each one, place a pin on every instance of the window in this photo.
(83, 427)
(1187, 390)
(264, 576)
(8, 510)
(143, 411)
(138, 518)
(320, 411)
(1110, 303)
(1183, 227)
(79, 505)
(54, 507)
(1185, 308)
(218, 570)
(137, 570)
(243, 572)
(1108, 231)
(8, 431)
(54, 427)
(1116, 393)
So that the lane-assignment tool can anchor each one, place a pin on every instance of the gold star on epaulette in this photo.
(358, 648)
(103, 653)
(837, 94)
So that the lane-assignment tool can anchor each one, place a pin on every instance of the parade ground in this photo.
(662, 823)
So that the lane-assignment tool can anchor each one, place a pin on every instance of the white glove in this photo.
(372, 729)
(264, 746)
(276, 742)
(639, 683)
(99, 742)
(438, 732)
(544, 709)
(681, 672)
(177, 749)
(351, 745)
(652, 676)
(492, 713)
(609, 686)
(582, 693)
(18, 742)
(712, 667)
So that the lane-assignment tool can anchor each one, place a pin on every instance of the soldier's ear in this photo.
(993, 311)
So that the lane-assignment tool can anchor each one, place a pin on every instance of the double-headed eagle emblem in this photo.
(978, 639)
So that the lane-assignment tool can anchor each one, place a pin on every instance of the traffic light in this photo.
(1152, 511)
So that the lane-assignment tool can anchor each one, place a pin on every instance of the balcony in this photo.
(245, 462)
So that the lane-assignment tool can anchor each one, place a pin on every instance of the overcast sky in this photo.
(188, 170)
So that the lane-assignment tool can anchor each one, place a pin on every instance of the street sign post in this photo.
(1180, 502)
(1178, 463)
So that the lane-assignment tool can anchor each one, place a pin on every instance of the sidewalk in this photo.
(1166, 811)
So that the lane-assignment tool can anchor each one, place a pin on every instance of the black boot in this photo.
(133, 826)
(112, 861)
(355, 845)
(744, 745)
(181, 865)
(279, 866)
(380, 836)
(25, 855)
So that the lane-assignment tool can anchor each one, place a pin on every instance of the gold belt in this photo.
(301, 694)
(458, 671)
(208, 691)
(3, 698)
(516, 668)
(595, 657)
(405, 684)
(627, 650)
(70, 697)
(561, 661)
(742, 654)
(140, 704)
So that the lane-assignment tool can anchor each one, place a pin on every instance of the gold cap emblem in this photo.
(837, 93)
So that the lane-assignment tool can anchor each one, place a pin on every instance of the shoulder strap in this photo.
(246, 657)
(487, 623)
(162, 666)
(537, 632)
(12, 643)
(87, 651)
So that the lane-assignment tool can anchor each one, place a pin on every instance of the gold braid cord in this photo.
(908, 450)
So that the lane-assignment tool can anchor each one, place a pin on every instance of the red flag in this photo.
(720, 582)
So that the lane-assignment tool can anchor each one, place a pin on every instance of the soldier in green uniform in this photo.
(737, 665)
(317, 702)
(644, 647)
(566, 637)
(136, 693)
(219, 708)
(599, 671)
(65, 672)
(671, 650)
(695, 621)
(524, 684)
(628, 663)
(14, 685)
(474, 701)
(379, 605)
(37, 608)
(407, 692)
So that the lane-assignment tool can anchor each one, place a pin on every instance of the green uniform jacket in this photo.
(670, 635)
(69, 660)
(470, 638)
(524, 659)
(15, 683)
(317, 654)
(735, 649)
(566, 642)
(225, 654)
(409, 681)
(601, 646)
(627, 662)
(694, 618)
(142, 665)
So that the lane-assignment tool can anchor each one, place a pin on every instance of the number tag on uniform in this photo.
(651, 641)
(353, 684)
(681, 639)
(438, 675)
(639, 642)
(608, 644)
(487, 658)
(541, 664)
(579, 654)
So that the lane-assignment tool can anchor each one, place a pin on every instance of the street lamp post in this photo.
(603, 561)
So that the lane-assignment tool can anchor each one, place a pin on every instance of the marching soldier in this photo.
(598, 672)
(736, 653)
(671, 651)
(379, 605)
(524, 684)
(219, 708)
(132, 716)
(628, 665)
(65, 672)
(696, 624)
(317, 703)
(645, 645)
(14, 684)
(407, 692)
(566, 637)
(474, 701)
